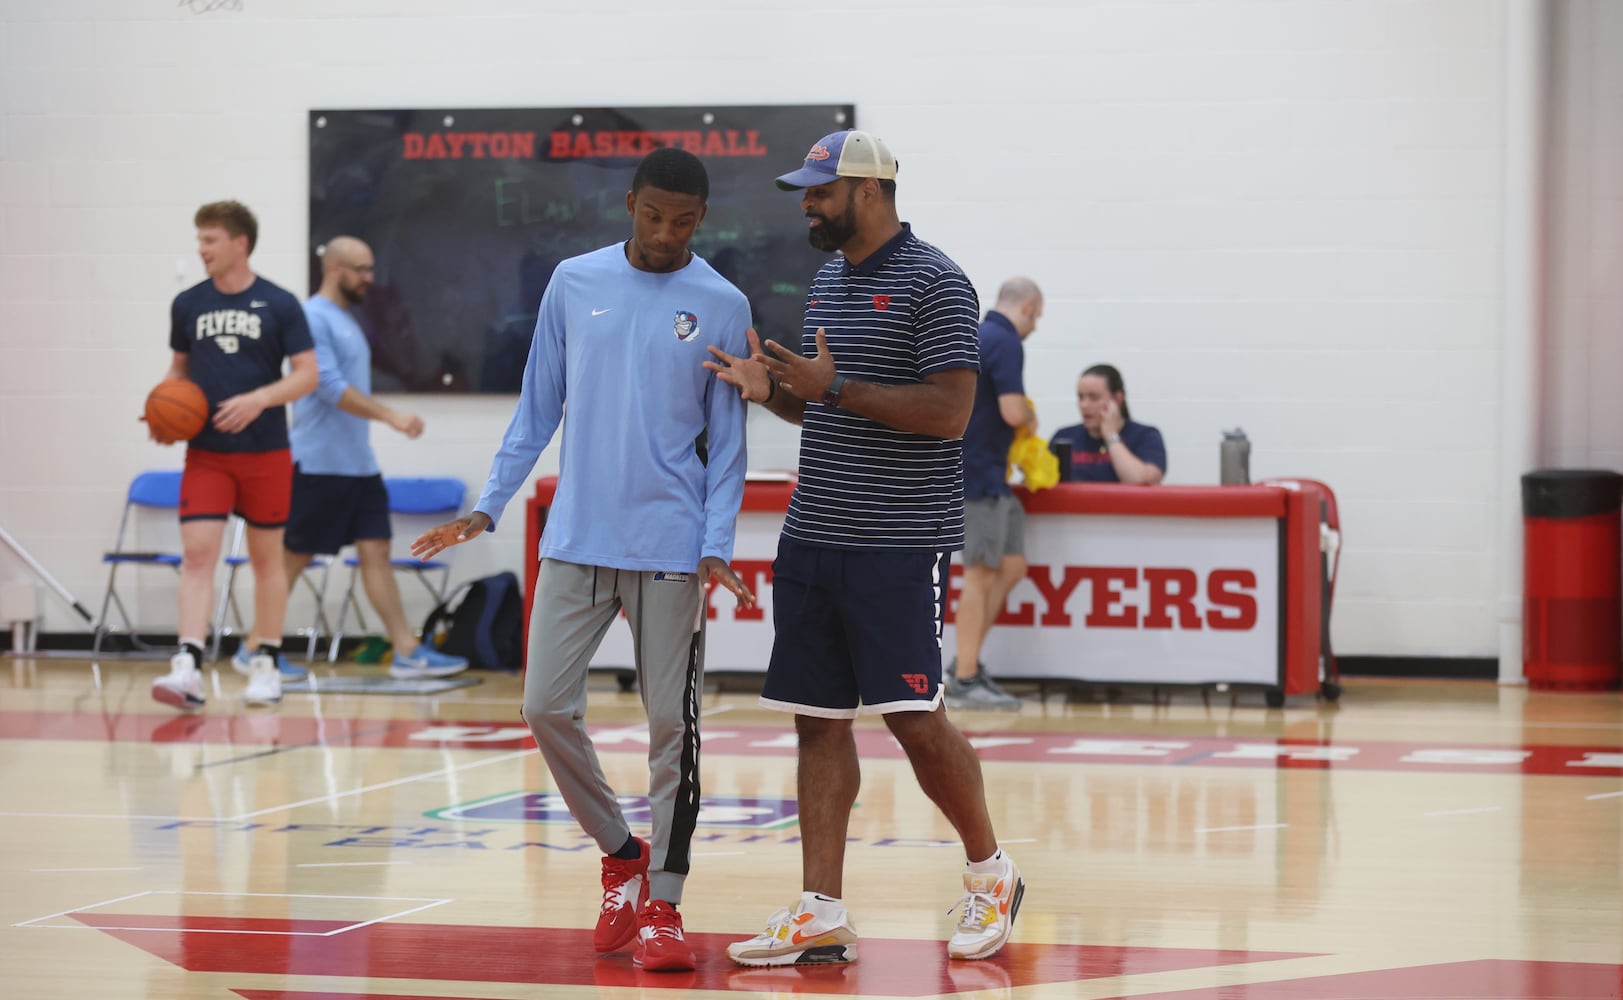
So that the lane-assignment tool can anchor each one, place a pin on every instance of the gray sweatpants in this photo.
(574, 607)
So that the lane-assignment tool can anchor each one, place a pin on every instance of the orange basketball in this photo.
(177, 409)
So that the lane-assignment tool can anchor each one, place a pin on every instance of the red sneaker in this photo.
(625, 892)
(660, 944)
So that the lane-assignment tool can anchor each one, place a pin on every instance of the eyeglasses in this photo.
(359, 269)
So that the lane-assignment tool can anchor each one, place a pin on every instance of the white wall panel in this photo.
(1279, 215)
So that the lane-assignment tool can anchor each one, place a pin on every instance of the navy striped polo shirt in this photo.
(905, 312)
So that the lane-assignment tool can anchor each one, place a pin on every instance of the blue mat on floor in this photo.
(378, 685)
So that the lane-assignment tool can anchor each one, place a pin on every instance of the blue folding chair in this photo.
(425, 501)
(226, 604)
(150, 491)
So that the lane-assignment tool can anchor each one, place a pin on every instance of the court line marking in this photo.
(291, 747)
(346, 864)
(391, 916)
(428, 902)
(1465, 812)
(427, 775)
(440, 772)
(1228, 829)
(78, 909)
(171, 930)
(117, 816)
(1604, 795)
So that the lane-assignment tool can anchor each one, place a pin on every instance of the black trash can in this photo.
(1572, 596)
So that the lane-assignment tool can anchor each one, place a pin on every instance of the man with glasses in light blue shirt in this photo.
(338, 492)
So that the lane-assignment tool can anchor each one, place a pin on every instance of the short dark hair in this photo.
(675, 170)
(888, 189)
(232, 216)
(1113, 383)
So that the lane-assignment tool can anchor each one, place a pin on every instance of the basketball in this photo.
(177, 409)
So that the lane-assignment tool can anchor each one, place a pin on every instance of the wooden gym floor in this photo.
(1419, 839)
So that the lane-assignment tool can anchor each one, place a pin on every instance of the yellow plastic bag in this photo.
(1038, 466)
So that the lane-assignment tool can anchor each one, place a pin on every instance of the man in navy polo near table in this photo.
(882, 386)
(994, 521)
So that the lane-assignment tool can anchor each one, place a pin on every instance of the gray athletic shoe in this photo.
(989, 681)
(978, 693)
(982, 675)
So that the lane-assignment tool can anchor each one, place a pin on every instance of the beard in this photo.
(837, 230)
(353, 296)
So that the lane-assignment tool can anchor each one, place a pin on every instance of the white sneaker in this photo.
(182, 687)
(264, 682)
(990, 904)
(242, 663)
(799, 938)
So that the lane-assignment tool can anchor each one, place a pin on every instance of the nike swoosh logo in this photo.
(801, 937)
(257, 304)
(599, 312)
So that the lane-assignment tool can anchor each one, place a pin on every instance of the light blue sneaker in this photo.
(289, 672)
(425, 661)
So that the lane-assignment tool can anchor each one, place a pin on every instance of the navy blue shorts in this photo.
(330, 512)
(855, 628)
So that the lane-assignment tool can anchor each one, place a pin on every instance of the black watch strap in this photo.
(831, 396)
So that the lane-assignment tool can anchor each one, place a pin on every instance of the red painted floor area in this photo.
(292, 732)
(1485, 980)
(454, 953)
(1490, 979)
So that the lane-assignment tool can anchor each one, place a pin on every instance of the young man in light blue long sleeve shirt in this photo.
(650, 481)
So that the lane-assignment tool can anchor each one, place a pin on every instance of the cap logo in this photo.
(817, 153)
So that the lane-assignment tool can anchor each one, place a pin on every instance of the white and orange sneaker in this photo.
(625, 893)
(803, 937)
(661, 945)
(991, 902)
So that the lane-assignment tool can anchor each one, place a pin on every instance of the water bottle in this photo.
(1234, 460)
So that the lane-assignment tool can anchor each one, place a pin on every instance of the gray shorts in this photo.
(994, 527)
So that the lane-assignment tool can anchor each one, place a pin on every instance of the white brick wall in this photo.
(1583, 373)
(1279, 215)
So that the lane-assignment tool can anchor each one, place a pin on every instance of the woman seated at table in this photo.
(1108, 446)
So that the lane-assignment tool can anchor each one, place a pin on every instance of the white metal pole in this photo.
(45, 574)
(1526, 32)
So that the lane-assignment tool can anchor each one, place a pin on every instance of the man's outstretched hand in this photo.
(437, 539)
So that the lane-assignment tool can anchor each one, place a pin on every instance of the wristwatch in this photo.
(831, 395)
(1113, 439)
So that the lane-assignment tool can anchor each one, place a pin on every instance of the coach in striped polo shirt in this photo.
(882, 385)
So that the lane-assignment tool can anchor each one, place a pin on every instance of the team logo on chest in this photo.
(687, 326)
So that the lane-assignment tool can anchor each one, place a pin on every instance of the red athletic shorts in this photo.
(255, 484)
